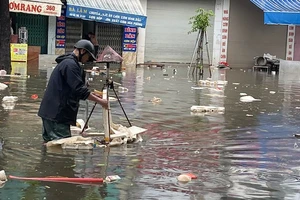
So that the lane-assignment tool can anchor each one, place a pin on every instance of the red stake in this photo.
(60, 179)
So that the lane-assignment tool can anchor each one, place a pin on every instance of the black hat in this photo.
(87, 45)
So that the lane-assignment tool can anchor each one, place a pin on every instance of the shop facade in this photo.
(114, 23)
(34, 17)
(237, 33)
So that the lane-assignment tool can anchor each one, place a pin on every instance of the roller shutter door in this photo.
(110, 34)
(167, 38)
(73, 32)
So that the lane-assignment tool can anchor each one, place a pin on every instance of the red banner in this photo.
(38, 8)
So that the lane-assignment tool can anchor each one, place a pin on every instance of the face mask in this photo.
(80, 56)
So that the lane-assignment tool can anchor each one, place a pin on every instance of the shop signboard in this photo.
(106, 16)
(18, 52)
(36, 7)
(61, 29)
(129, 39)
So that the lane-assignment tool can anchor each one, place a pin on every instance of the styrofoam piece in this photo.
(79, 146)
(134, 130)
(127, 132)
(112, 178)
(3, 86)
(248, 99)
(77, 130)
(10, 99)
(3, 178)
(211, 83)
(74, 142)
(3, 72)
(8, 105)
(207, 109)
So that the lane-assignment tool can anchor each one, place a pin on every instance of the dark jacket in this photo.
(65, 88)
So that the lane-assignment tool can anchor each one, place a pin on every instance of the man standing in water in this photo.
(66, 87)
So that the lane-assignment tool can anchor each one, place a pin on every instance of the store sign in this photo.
(129, 39)
(37, 8)
(18, 52)
(61, 29)
(106, 16)
(290, 49)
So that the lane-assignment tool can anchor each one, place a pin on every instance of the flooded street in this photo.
(249, 152)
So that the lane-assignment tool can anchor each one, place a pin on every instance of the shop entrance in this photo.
(37, 27)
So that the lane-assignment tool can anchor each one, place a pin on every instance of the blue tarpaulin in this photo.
(282, 12)
(126, 13)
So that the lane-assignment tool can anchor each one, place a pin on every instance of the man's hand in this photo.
(97, 94)
(103, 103)
(99, 100)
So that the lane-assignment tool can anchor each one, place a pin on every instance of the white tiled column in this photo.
(51, 35)
(141, 39)
(221, 25)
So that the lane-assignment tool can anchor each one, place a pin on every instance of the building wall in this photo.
(167, 38)
(249, 36)
(297, 44)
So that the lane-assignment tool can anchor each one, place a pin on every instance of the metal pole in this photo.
(122, 107)
(88, 118)
(207, 48)
(195, 50)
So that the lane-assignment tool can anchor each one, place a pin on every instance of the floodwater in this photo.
(248, 152)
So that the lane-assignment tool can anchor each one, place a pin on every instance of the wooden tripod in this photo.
(197, 64)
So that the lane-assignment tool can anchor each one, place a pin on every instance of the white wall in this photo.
(51, 35)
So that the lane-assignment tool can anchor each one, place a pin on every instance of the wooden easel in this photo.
(197, 64)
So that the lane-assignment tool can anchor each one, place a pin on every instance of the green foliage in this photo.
(200, 21)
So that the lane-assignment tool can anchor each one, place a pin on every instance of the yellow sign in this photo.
(18, 68)
(18, 52)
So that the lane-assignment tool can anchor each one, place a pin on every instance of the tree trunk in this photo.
(5, 36)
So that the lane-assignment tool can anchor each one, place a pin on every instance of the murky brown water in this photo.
(248, 152)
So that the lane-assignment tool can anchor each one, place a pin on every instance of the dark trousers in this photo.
(54, 131)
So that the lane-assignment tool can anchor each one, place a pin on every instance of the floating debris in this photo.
(10, 99)
(3, 86)
(112, 178)
(155, 100)
(3, 72)
(122, 89)
(248, 99)
(34, 96)
(1, 143)
(9, 102)
(3, 178)
(207, 109)
(297, 135)
(211, 83)
(74, 142)
(184, 178)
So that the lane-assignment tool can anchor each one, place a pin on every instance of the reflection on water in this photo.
(248, 152)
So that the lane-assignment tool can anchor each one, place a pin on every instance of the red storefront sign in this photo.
(38, 8)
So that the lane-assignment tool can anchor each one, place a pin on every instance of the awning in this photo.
(121, 12)
(283, 12)
(38, 7)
